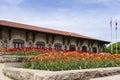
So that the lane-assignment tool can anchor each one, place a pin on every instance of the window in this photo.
(58, 46)
(72, 47)
(94, 49)
(30, 44)
(50, 46)
(84, 48)
(65, 47)
(78, 48)
(18, 43)
(40, 44)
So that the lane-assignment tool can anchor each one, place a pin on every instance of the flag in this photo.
(111, 23)
(116, 25)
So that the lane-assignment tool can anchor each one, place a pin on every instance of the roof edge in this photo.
(53, 31)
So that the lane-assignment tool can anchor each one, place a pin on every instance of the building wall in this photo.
(5, 38)
(40, 37)
(17, 34)
(95, 44)
(21, 34)
(30, 40)
(58, 39)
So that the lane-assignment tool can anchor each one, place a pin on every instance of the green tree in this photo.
(107, 48)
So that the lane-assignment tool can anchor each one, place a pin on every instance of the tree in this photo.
(107, 48)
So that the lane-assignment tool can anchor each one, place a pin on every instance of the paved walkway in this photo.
(2, 77)
(115, 77)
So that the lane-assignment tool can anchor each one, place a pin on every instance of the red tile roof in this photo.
(46, 30)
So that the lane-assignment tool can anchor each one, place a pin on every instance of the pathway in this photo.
(115, 77)
(2, 77)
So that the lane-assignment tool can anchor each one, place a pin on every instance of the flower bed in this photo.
(56, 61)
(26, 51)
(31, 51)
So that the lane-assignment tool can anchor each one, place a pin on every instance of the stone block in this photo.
(86, 74)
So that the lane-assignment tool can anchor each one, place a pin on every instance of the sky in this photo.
(86, 17)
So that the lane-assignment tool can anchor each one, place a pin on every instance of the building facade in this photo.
(17, 35)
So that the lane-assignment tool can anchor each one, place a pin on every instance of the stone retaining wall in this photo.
(11, 70)
(12, 58)
(9, 61)
(6, 65)
(84, 74)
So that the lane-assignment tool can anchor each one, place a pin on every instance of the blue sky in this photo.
(85, 17)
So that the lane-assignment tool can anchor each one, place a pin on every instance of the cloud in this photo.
(11, 2)
(95, 1)
(87, 22)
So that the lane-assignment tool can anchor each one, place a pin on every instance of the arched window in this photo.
(65, 47)
(72, 47)
(84, 48)
(30, 44)
(40, 44)
(50, 46)
(18, 43)
(78, 48)
(58, 46)
(94, 49)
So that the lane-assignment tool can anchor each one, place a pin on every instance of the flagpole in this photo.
(116, 42)
(111, 34)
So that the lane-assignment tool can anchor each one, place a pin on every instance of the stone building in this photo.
(16, 35)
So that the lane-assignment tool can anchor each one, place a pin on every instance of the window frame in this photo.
(58, 46)
(18, 43)
(84, 48)
(40, 44)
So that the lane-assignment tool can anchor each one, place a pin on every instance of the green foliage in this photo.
(71, 65)
(108, 48)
